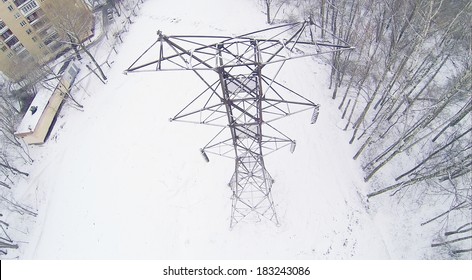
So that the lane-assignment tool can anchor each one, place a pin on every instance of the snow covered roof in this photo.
(36, 109)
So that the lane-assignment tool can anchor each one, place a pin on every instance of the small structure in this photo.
(38, 120)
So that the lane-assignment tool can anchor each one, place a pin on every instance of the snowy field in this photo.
(119, 181)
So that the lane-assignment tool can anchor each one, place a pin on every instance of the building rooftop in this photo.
(36, 109)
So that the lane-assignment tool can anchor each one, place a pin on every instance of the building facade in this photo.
(31, 32)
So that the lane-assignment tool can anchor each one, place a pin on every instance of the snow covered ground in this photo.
(119, 181)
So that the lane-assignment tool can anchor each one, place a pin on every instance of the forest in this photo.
(17, 92)
(405, 97)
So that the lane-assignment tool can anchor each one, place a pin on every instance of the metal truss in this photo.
(242, 100)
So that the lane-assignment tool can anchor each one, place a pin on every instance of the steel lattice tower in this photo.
(242, 99)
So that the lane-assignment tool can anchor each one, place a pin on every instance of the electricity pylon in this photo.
(242, 99)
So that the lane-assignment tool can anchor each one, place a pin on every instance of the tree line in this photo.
(72, 27)
(405, 97)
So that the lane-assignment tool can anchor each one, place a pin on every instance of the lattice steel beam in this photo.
(242, 100)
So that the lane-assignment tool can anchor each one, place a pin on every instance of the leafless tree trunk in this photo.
(75, 25)
(407, 88)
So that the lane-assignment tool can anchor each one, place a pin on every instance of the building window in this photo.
(34, 38)
(17, 15)
(10, 55)
(2, 25)
(10, 8)
(4, 48)
(28, 31)
(23, 23)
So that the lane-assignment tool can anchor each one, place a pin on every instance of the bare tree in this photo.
(74, 24)
(269, 5)
(13, 157)
(407, 95)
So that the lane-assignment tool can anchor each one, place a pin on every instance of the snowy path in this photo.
(122, 182)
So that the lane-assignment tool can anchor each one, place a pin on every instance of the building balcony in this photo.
(56, 46)
(51, 39)
(47, 33)
(44, 27)
(3, 27)
(6, 34)
(13, 43)
(7, 39)
(18, 48)
(18, 3)
(28, 7)
(41, 24)
(35, 16)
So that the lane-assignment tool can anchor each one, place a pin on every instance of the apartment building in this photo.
(30, 32)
